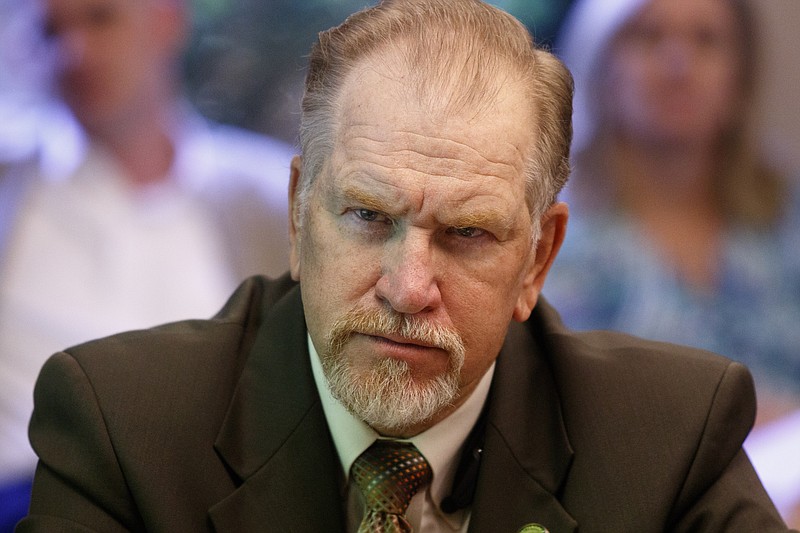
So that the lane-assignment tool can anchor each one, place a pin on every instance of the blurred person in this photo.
(684, 232)
(408, 339)
(128, 209)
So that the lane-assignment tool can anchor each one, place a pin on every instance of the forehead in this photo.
(378, 106)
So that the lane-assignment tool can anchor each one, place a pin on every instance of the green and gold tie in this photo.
(389, 473)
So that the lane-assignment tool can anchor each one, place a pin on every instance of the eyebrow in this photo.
(485, 219)
(368, 200)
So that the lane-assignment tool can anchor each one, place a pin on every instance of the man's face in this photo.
(108, 56)
(416, 251)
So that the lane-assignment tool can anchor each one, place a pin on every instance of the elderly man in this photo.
(407, 376)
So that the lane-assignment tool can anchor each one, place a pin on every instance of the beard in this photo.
(385, 395)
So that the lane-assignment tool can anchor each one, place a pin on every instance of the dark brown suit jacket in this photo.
(216, 425)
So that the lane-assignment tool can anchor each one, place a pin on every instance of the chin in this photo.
(388, 396)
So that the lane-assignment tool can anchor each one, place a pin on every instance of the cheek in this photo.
(722, 95)
(331, 266)
(481, 310)
(483, 340)
(622, 90)
(327, 249)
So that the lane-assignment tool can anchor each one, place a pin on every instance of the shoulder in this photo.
(232, 151)
(231, 166)
(139, 412)
(251, 153)
(624, 399)
(619, 367)
(653, 426)
(195, 356)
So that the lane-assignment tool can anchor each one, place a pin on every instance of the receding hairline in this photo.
(508, 99)
(391, 62)
(482, 47)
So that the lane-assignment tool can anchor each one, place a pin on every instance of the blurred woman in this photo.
(680, 230)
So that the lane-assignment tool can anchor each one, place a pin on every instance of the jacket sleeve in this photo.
(722, 491)
(79, 486)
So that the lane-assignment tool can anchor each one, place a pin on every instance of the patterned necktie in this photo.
(389, 473)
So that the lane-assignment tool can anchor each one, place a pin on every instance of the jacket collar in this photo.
(527, 453)
(275, 438)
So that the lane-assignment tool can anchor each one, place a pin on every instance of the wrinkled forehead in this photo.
(382, 93)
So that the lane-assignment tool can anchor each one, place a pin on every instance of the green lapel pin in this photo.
(533, 528)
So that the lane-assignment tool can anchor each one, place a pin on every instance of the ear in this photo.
(294, 218)
(554, 227)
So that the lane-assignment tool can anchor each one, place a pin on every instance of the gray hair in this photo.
(483, 41)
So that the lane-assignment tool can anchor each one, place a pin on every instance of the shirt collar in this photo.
(440, 444)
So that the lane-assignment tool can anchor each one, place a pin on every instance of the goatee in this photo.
(386, 395)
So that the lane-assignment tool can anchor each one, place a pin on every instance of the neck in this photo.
(669, 191)
(653, 175)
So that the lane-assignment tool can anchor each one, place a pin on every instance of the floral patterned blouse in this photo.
(607, 276)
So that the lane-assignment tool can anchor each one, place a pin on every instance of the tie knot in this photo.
(389, 473)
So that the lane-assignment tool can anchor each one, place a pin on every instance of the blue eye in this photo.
(468, 232)
(366, 214)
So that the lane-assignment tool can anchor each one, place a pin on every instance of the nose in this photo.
(408, 280)
(676, 55)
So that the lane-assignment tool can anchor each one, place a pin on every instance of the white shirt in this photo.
(440, 444)
(87, 259)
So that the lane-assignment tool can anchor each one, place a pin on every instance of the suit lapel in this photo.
(276, 441)
(526, 451)
(275, 438)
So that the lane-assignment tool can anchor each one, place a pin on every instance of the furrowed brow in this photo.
(487, 219)
(366, 199)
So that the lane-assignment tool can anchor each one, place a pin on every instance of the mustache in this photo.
(384, 322)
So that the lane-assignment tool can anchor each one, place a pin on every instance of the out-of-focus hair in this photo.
(460, 53)
(749, 191)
